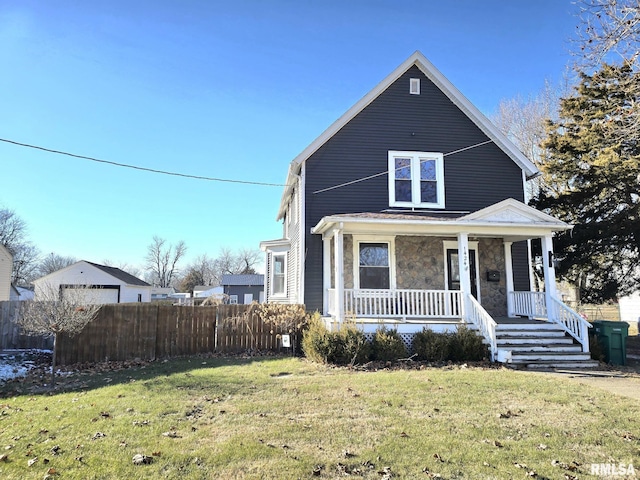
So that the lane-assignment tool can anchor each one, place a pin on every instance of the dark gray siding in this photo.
(396, 120)
(520, 254)
(240, 290)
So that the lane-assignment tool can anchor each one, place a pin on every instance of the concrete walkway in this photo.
(624, 381)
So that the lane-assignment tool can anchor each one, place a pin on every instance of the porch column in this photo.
(549, 274)
(338, 255)
(326, 273)
(508, 274)
(463, 265)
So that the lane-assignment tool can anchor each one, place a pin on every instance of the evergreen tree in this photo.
(592, 179)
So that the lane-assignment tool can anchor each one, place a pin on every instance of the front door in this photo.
(453, 271)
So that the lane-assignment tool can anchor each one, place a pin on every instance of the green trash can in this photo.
(613, 338)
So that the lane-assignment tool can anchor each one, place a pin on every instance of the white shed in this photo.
(6, 268)
(630, 308)
(100, 284)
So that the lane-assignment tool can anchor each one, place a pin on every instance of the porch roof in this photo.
(510, 219)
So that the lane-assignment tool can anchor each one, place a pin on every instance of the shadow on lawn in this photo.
(158, 374)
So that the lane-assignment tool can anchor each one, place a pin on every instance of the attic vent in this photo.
(414, 86)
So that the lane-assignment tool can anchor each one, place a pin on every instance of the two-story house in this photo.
(408, 211)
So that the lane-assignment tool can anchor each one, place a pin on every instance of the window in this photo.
(233, 299)
(278, 275)
(416, 179)
(414, 86)
(374, 265)
(139, 298)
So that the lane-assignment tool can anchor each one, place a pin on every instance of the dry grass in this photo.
(285, 418)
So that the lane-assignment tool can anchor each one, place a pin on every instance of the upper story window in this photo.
(416, 179)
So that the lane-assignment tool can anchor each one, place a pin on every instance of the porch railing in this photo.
(399, 303)
(572, 322)
(485, 323)
(528, 304)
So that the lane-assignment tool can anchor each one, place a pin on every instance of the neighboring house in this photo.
(205, 291)
(159, 294)
(408, 212)
(243, 289)
(14, 294)
(6, 269)
(103, 284)
(25, 293)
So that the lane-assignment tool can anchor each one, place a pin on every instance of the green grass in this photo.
(281, 418)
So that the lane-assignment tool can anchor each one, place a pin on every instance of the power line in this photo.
(399, 168)
(144, 169)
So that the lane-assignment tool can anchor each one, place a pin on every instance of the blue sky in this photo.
(229, 89)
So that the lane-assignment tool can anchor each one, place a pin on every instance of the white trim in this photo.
(326, 273)
(414, 86)
(416, 159)
(389, 240)
(303, 233)
(432, 73)
(508, 276)
(453, 245)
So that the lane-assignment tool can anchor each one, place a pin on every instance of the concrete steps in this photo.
(538, 345)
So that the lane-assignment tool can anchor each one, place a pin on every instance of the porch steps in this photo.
(538, 345)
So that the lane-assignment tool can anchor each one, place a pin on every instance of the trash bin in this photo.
(612, 336)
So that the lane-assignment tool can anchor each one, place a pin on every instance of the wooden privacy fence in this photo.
(12, 335)
(147, 332)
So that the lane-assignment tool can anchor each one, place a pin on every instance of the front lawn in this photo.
(287, 418)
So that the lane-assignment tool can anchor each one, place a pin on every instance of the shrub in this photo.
(346, 346)
(467, 345)
(462, 345)
(431, 346)
(388, 345)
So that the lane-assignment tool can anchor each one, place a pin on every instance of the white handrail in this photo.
(528, 304)
(485, 323)
(572, 323)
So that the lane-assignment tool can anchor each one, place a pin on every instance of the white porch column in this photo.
(464, 268)
(508, 274)
(549, 274)
(326, 273)
(338, 254)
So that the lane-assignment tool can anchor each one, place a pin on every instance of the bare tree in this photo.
(523, 121)
(243, 261)
(13, 236)
(54, 262)
(124, 266)
(609, 31)
(57, 312)
(162, 259)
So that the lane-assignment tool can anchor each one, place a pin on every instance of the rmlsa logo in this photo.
(613, 469)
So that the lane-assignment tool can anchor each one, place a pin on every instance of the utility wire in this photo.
(399, 168)
(144, 169)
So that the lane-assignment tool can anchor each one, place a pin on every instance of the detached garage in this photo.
(98, 284)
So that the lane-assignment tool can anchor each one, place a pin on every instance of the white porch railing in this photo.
(398, 303)
(572, 322)
(485, 323)
(528, 304)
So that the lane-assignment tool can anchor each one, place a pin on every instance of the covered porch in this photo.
(414, 271)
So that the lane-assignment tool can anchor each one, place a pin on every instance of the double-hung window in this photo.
(373, 262)
(278, 275)
(416, 179)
